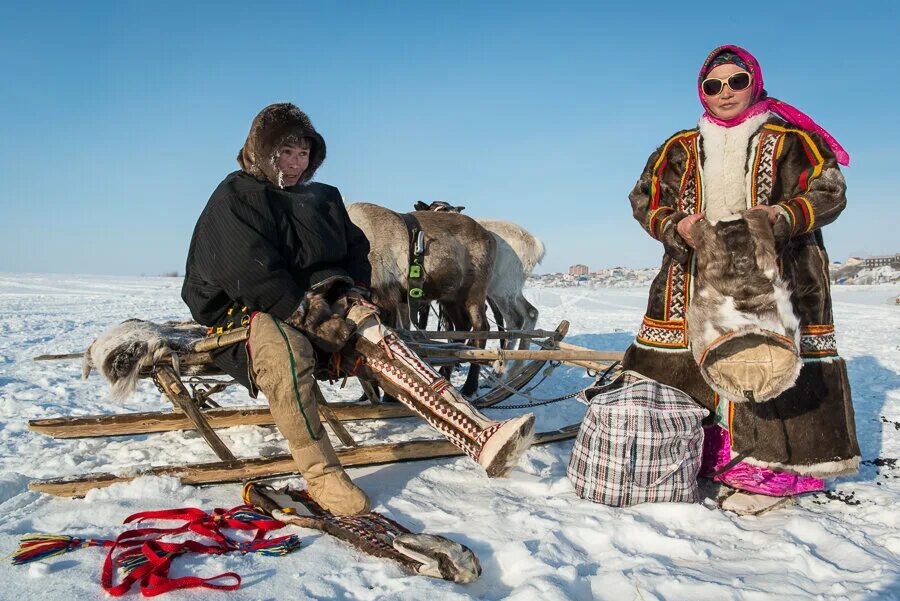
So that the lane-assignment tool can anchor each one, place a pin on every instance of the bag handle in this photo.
(666, 475)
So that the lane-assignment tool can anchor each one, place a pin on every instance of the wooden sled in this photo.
(194, 409)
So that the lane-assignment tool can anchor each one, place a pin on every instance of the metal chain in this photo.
(537, 402)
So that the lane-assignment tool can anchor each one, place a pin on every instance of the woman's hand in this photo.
(772, 211)
(685, 225)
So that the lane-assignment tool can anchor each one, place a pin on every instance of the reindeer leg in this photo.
(475, 319)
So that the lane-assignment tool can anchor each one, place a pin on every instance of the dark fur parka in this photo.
(810, 428)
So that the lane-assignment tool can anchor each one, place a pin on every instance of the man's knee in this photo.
(276, 345)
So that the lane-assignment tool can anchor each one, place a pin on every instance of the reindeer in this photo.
(458, 262)
(518, 252)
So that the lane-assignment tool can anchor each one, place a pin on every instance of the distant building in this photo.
(892, 260)
(579, 270)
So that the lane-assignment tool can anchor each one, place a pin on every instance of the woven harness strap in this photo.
(147, 559)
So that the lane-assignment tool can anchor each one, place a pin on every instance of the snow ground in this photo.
(534, 537)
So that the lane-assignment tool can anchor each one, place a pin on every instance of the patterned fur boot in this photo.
(496, 446)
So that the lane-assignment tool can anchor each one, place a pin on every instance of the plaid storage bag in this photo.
(640, 442)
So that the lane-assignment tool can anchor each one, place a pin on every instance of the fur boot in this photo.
(327, 482)
(496, 446)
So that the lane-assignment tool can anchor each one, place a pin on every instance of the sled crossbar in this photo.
(270, 467)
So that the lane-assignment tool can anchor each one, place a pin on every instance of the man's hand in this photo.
(685, 225)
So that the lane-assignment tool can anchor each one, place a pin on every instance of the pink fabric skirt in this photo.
(746, 477)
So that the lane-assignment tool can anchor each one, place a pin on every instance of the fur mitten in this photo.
(744, 333)
(327, 331)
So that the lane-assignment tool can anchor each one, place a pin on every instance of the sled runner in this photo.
(189, 380)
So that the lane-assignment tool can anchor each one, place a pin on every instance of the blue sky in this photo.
(118, 119)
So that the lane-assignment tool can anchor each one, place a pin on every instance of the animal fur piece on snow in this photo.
(123, 351)
(742, 327)
(440, 557)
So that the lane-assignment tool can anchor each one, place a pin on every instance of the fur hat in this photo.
(275, 126)
(743, 330)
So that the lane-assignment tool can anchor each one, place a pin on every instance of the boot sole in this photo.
(513, 439)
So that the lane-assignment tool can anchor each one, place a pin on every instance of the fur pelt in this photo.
(725, 172)
(275, 126)
(740, 301)
(123, 351)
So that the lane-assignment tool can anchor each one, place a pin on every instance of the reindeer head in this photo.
(438, 206)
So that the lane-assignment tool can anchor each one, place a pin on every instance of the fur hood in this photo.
(744, 333)
(275, 126)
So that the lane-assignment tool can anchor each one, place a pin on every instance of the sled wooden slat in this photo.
(280, 465)
(477, 335)
(520, 377)
(332, 420)
(599, 365)
(165, 421)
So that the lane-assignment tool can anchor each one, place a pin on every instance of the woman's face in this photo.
(728, 104)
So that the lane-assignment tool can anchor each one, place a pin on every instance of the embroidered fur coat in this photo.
(809, 429)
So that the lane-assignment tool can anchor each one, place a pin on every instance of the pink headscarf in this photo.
(762, 102)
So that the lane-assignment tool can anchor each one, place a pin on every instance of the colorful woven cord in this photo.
(141, 556)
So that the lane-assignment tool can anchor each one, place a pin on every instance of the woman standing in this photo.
(750, 151)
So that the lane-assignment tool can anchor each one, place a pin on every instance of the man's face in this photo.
(291, 163)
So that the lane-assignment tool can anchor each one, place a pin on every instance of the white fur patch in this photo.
(725, 171)
(123, 351)
(826, 469)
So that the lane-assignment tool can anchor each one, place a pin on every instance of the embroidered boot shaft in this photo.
(496, 446)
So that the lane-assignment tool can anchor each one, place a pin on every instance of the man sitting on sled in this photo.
(278, 252)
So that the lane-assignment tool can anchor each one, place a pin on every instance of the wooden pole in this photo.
(588, 364)
(58, 357)
(218, 341)
(479, 335)
(267, 467)
(172, 387)
(512, 355)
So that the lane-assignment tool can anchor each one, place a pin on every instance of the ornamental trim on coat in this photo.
(662, 335)
(818, 342)
(670, 333)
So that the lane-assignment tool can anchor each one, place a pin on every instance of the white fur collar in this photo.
(725, 184)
